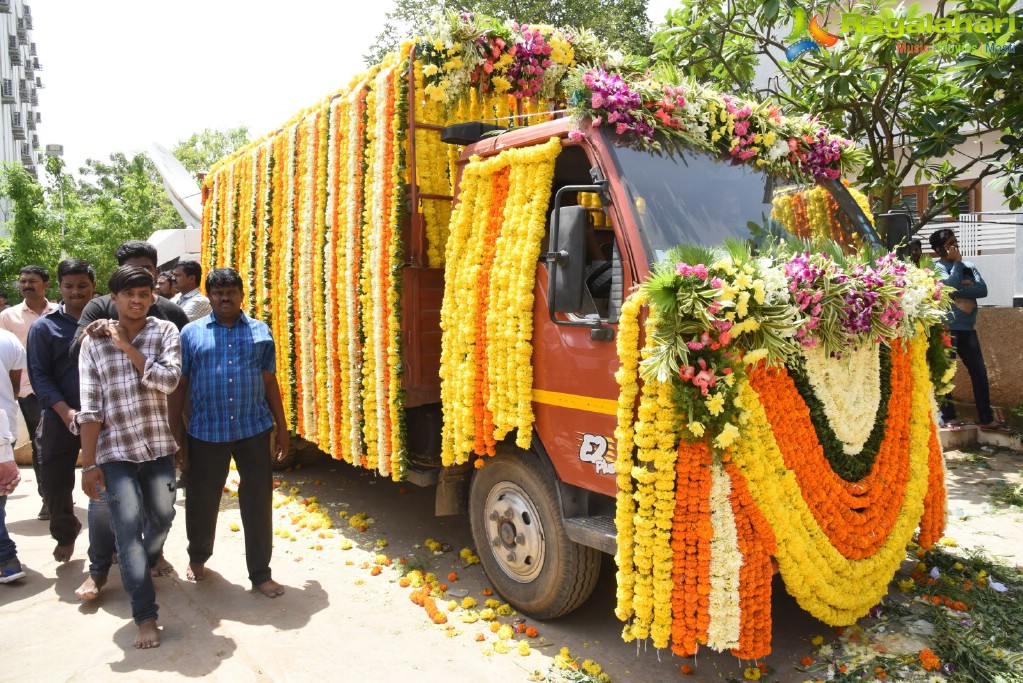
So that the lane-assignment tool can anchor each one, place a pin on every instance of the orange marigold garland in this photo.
(757, 545)
(690, 539)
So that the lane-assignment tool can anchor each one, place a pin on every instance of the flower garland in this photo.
(812, 214)
(644, 111)
(504, 253)
(760, 467)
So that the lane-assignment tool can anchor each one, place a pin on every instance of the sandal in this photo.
(955, 425)
(1000, 427)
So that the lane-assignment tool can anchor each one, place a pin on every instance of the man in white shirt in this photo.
(185, 277)
(33, 281)
(12, 365)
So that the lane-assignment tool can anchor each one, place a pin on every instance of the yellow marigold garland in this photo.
(509, 317)
(625, 503)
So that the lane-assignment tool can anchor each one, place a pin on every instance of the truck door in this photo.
(575, 359)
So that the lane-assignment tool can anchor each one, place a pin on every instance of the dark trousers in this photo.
(967, 347)
(209, 463)
(30, 411)
(58, 454)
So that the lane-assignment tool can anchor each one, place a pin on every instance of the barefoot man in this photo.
(228, 368)
(128, 448)
(54, 377)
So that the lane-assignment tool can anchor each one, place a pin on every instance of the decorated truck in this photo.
(602, 313)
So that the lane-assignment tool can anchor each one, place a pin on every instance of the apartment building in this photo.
(20, 82)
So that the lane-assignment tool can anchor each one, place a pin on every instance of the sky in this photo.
(120, 74)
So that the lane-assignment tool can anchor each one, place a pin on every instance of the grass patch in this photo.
(1007, 494)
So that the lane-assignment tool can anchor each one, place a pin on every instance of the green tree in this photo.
(909, 111)
(122, 199)
(621, 24)
(34, 230)
(201, 150)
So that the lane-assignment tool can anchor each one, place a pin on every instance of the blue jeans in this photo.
(967, 347)
(8, 551)
(101, 536)
(140, 496)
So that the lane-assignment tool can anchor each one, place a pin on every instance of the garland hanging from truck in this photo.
(762, 410)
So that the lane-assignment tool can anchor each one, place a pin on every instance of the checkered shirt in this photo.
(194, 304)
(131, 408)
(225, 366)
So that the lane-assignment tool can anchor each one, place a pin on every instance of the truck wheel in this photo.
(516, 524)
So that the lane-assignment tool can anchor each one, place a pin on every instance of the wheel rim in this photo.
(514, 531)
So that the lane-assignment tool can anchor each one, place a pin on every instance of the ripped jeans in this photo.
(140, 496)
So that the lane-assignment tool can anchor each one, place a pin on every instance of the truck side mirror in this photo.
(567, 268)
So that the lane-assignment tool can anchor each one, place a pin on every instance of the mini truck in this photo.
(334, 222)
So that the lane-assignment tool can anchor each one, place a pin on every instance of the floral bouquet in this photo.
(710, 322)
(646, 109)
(522, 60)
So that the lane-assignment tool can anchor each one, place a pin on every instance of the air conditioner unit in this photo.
(22, 30)
(39, 117)
(39, 82)
(26, 153)
(36, 65)
(7, 91)
(35, 142)
(5, 6)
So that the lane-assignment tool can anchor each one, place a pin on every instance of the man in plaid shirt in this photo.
(127, 445)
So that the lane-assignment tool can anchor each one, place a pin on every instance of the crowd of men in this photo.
(128, 383)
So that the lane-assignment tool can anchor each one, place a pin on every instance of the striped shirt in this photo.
(225, 366)
(131, 408)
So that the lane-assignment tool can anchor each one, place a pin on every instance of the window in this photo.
(918, 198)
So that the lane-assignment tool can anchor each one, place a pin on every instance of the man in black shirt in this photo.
(101, 309)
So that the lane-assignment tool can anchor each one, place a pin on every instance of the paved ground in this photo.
(337, 621)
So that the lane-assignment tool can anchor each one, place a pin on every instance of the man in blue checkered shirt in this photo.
(228, 366)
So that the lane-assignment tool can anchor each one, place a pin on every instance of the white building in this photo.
(20, 82)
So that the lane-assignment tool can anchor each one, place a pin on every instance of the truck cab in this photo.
(540, 518)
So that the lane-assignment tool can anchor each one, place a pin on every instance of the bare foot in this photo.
(63, 553)
(270, 589)
(196, 572)
(162, 568)
(149, 635)
(89, 590)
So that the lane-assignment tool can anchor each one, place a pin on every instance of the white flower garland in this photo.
(849, 389)
(725, 561)
(380, 144)
(305, 274)
(329, 266)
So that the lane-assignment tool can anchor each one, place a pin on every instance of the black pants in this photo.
(967, 347)
(209, 463)
(58, 453)
(30, 411)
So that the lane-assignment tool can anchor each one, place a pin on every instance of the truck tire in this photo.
(516, 525)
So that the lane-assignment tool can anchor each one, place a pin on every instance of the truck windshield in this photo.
(692, 196)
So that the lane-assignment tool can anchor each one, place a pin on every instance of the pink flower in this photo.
(700, 271)
(621, 128)
(694, 345)
(725, 337)
(575, 135)
(741, 127)
(716, 283)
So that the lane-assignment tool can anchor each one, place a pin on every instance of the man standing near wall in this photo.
(33, 282)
